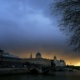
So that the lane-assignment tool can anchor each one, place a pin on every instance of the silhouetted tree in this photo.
(70, 20)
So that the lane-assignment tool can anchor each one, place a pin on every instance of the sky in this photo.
(28, 27)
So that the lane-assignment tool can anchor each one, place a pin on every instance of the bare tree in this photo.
(70, 20)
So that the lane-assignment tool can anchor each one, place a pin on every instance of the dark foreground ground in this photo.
(55, 76)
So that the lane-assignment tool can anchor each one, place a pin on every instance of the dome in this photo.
(38, 55)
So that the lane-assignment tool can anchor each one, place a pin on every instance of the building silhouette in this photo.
(8, 60)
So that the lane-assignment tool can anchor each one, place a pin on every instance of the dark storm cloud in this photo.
(23, 24)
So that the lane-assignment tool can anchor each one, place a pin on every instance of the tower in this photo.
(31, 55)
(55, 58)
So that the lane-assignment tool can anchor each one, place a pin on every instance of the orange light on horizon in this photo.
(51, 56)
(77, 64)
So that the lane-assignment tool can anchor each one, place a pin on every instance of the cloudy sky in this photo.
(26, 26)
